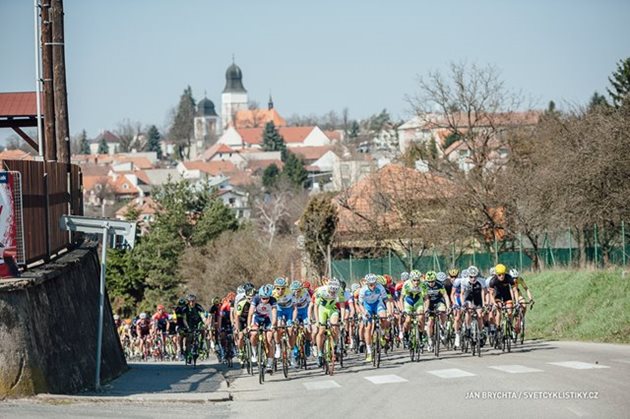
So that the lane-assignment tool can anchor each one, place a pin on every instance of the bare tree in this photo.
(127, 131)
(271, 209)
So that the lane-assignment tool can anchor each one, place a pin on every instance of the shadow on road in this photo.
(164, 377)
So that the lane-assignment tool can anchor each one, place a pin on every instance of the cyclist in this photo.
(326, 299)
(456, 302)
(241, 311)
(438, 302)
(352, 298)
(302, 297)
(193, 320)
(224, 325)
(286, 313)
(520, 281)
(503, 291)
(474, 296)
(143, 329)
(262, 315)
(372, 298)
(414, 296)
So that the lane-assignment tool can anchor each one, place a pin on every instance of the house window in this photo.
(125, 186)
(232, 201)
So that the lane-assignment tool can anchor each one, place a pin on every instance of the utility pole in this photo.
(59, 83)
(50, 146)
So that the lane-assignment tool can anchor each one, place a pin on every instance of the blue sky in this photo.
(131, 59)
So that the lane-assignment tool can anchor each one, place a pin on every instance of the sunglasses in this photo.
(264, 298)
(280, 288)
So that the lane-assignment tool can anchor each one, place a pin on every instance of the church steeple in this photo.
(234, 79)
(270, 104)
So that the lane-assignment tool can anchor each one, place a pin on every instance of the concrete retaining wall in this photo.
(48, 327)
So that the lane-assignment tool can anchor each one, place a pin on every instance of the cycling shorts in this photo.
(262, 321)
(374, 308)
(413, 304)
(326, 313)
(286, 314)
(302, 314)
(437, 306)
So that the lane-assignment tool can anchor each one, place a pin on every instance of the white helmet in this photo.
(514, 273)
(143, 316)
(473, 271)
(370, 278)
(334, 285)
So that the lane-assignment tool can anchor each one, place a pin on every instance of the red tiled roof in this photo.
(90, 169)
(290, 134)
(255, 165)
(216, 148)
(211, 167)
(109, 136)
(119, 188)
(145, 207)
(18, 104)
(89, 181)
(15, 155)
(139, 162)
(311, 153)
(240, 178)
(251, 118)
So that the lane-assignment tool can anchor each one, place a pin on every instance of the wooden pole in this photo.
(49, 144)
(59, 83)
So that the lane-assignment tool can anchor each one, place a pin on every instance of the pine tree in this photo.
(620, 81)
(84, 146)
(215, 219)
(103, 147)
(354, 130)
(153, 143)
(597, 101)
(182, 130)
(273, 141)
(294, 170)
(270, 176)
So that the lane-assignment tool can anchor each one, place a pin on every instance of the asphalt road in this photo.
(539, 379)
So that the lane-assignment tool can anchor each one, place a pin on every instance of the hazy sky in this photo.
(131, 59)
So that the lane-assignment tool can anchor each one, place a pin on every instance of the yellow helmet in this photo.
(381, 280)
(500, 269)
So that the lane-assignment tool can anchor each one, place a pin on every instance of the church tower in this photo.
(207, 125)
(234, 97)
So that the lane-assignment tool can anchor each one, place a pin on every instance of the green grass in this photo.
(580, 305)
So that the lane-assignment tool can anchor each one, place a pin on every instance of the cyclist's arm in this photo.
(529, 294)
(274, 315)
(250, 314)
(295, 313)
(446, 300)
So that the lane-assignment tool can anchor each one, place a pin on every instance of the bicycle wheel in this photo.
(522, 329)
(478, 339)
(436, 336)
(509, 335)
(261, 359)
(377, 355)
(341, 346)
(285, 357)
(248, 355)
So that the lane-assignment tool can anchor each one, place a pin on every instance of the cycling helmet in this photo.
(181, 302)
(354, 287)
(415, 275)
(116, 317)
(296, 285)
(492, 271)
(160, 307)
(473, 271)
(240, 289)
(250, 292)
(230, 296)
(306, 284)
(333, 285)
(191, 297)
(143, 315)
(441, 276)
(404, 276)
(514, 273)
(381, 280)
(248, 285)
(266, 291)
(370, 278)
(453, 272)
(280, 282)
(216, 300)
(388, 280)
(430, 276)
(342, 284)
(464, 273)
(500, 269)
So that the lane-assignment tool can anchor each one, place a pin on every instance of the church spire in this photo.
(270, 104)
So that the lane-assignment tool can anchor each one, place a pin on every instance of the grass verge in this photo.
(580, 305)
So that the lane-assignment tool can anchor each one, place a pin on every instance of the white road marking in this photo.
(321, 385)
(385, 379)
(625, 361)
(577, 365)
(577, 412)
(451, 373)
(514, 369)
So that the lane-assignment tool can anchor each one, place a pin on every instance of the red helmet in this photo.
(160, 307)
(306, 285)
(230, 296)
(388, 279)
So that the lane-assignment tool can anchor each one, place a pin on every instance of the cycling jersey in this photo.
(161, 320)
(473, 292)
(413, 296)
(436, 292)
(193, 315)
(371, 296)
(502, 288)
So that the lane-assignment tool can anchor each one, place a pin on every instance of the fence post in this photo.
(496, 249)
(553, 258)
(47, 213)
(520, 250)
(351, 276)
(595, 242)
(369, 266)
(474, 257)
(570, 249)
(453, 255)
(623, 244)
(410, 256)
(390, 261)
